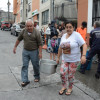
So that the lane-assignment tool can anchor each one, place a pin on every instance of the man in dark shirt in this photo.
(32, 51)
(94, 48)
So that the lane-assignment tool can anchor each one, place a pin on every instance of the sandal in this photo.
(62, 91)
(24, 84)
(69, 92)
(36, 80)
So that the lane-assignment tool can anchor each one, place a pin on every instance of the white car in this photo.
(15, 29)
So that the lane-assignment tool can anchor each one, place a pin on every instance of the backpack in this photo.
(53, 31)
(53, 43)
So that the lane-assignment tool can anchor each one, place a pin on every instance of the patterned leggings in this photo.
(67, 72)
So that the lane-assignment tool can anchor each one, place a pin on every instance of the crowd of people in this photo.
(63, 41)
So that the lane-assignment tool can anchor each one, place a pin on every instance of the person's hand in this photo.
(14, 50)
(40, 55)
(66, 50)
(83, 59)
(57, 60)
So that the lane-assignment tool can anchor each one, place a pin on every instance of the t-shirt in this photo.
(82, 32)
(76, 41)
(32, 41)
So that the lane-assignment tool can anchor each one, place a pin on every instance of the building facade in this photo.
(44, 11)
(88, 10)
(24, 9)
(4, 16)
(35, 9)
(55, 10)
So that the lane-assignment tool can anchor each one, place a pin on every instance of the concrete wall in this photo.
(35, 6)
(14, 7)
(17, 15)
(89, 21)
(82, 11)
(69, 9)
(85, 14)
(30, 12)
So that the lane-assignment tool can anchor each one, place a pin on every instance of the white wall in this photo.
(89, 25)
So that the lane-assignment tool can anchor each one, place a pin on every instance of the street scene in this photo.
(50, 49)
(86, 87)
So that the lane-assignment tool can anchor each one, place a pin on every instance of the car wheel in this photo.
(16, 34)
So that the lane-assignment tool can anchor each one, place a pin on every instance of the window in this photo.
(96, 11)
(37, 16)
(43, 1)
(26, 12)
(21, 1)
(45, 17)
(21, 13)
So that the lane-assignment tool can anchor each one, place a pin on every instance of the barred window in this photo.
(45, 17)
(43, 1)
(96, 11)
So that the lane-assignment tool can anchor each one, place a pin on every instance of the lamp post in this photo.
(53, 9)
(8, 9)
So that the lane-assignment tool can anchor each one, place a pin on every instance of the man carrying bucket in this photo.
(32, 51)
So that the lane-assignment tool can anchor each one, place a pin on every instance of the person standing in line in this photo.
(94, 49)
(70, 49)
(36, 24)
(32, 51)
(53, 40)
(47, 32)
(82, 30)
(59, 30)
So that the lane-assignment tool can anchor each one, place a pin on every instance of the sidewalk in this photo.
(46, 89)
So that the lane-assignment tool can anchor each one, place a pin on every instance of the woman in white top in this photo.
(71, 56)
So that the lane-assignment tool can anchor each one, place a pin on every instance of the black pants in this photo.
(92, 53)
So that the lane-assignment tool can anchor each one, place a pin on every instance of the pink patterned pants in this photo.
(67, 73)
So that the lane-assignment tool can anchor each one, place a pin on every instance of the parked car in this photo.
(5, 25)
(16, 29)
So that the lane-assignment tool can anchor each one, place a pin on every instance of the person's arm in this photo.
(40, 52)
(16, 44)
(59, 54)
(39, 43)
(83, 58)
(90, 39)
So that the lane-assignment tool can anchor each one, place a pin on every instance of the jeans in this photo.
(26, 57)
(92, 53)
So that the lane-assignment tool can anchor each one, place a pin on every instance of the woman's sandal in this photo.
(36, 80)
(62, 91)
(69, 92)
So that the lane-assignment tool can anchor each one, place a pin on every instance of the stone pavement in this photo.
(46, 89)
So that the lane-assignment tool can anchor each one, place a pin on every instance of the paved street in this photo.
(86, 87)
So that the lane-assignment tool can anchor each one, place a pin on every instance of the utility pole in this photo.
(8, 10)
(53, 9)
